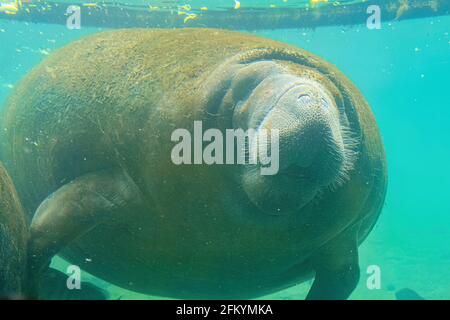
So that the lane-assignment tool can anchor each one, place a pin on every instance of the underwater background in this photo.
(403, 70)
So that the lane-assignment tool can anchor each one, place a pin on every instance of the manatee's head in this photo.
(315, 149)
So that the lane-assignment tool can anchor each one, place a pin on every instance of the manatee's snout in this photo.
(312, 142)
(311, 145)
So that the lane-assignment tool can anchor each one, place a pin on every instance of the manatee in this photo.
(13, 240)
(86, 136)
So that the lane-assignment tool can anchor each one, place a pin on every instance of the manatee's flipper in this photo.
(74, 209)
(54, 287)
(337, 269)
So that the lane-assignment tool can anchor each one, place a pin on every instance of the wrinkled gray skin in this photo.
(313, 154)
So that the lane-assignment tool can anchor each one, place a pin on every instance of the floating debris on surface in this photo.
(89, 5)
(317, 2)
(191, 16)
(227, 14)
(10, 7)
(186, 7)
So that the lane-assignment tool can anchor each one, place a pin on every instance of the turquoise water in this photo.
(403, 70)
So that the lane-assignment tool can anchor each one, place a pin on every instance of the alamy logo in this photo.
(74, 17)
(374, 277)
(374, 20)
(74, 277)
(237, 147)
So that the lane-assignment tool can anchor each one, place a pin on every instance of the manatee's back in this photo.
(88, 106)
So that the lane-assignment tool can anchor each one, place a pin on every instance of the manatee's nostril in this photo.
(325, 103)
(303, 96)
(304, 99)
